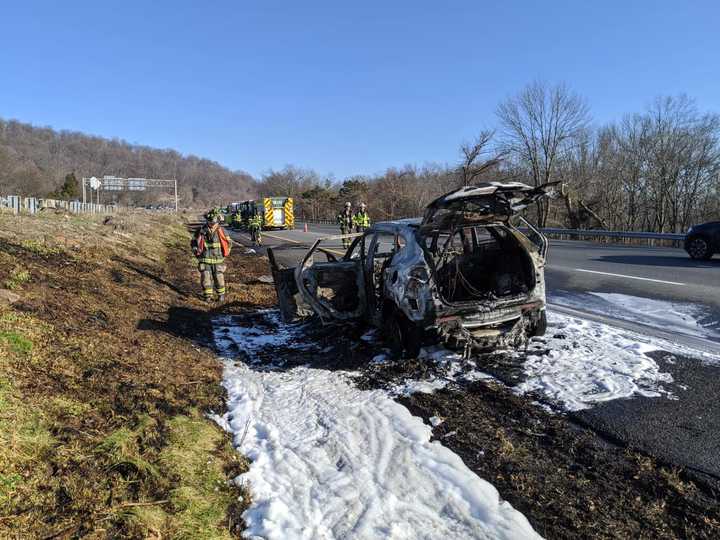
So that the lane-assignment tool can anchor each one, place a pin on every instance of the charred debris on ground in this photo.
(566, 479)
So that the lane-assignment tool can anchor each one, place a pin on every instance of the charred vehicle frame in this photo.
(464, 275)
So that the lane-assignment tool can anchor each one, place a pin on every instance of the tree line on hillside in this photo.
(41, 162)
(656, 170)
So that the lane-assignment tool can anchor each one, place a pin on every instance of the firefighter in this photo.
(361, 220)
(255, 226)
(345, 220)
(211, 245)
(237, 220)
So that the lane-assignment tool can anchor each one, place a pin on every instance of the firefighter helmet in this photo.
(213, 216)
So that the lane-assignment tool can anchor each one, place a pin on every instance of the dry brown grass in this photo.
(102, 389)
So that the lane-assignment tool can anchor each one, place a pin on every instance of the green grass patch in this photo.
(63, 407)
(25, 442)
(17, 343)
(196, 456)
(197, 500)
(40, 248)
(18, 277)
(122, 450)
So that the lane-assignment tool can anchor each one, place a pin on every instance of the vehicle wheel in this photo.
(699, 249)
(402, 337)
(541, 325)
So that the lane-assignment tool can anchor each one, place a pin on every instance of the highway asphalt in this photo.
(579, 267)
(683, 432)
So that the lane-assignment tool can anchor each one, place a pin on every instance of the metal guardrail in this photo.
(618, 237)
(594, 233)
(589, 234)
(318, 221)
(32, 205)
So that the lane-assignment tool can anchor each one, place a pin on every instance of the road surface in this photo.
(683, 432)
(578, 267)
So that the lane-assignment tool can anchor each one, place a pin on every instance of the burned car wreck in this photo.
(463, 275)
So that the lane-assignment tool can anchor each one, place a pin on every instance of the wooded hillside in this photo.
(34, 161)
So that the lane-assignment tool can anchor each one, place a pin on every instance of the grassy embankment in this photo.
(103, 391)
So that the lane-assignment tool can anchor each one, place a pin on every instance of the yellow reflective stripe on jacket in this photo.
(209, 260)
(213, 245)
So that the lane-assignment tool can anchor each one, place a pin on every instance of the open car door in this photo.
(486, 202)
(292, 305)
(335, 289)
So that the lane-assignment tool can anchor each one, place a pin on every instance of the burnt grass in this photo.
(106, 383)
(567, 480)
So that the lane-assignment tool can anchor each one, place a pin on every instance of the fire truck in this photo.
(276, 212)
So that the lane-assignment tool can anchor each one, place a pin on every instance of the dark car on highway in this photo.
(703, 241)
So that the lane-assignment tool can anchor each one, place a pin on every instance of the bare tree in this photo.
(392, 192)
(538, 126)
(290, 181)
(476, 158)
(661, 167)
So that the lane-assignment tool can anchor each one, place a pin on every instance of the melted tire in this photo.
(541, 327)
(402, 337)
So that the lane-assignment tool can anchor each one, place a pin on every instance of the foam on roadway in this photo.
(331, 461)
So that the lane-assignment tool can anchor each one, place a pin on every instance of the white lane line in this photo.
(628, 277)
(276, 237)
(336, 252)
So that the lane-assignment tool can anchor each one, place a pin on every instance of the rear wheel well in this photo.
(388, 308)
(402, 336)
(540, 325)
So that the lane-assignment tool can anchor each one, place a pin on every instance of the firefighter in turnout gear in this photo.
(236, 220)
(211, 245)
(361, 220)
(255, 226)
(345, 220)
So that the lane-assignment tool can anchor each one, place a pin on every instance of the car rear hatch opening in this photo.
(487, 202)
(473, 266)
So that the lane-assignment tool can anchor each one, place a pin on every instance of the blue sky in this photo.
(342, 87)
